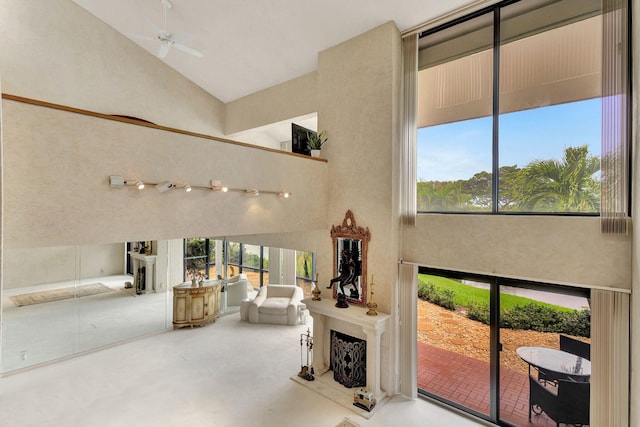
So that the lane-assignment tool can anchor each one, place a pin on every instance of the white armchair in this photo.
(276, 304)
(237, 289)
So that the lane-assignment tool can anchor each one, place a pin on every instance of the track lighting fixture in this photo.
(116, 181)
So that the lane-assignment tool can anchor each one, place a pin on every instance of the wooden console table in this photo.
(195, 306)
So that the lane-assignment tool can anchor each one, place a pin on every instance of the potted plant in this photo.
(316, 141)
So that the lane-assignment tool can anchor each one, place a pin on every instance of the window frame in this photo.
(495, 174)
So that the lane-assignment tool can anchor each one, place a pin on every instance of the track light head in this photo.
(164, 186)
(116, 181)
(140, 185)
(216, 185)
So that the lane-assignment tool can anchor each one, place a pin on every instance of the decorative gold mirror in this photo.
(350, 261)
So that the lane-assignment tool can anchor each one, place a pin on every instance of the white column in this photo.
(320, 364)
(373, 361)
(219, 263)
(289, 267)
(275, 276)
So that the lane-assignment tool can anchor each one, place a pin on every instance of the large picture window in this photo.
(199, 258)
(251, 260)
(510, 110)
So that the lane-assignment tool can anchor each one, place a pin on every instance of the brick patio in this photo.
(465, 381)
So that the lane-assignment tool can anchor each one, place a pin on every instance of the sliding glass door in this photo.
(454, 351)
(485, 342)
(545, 340)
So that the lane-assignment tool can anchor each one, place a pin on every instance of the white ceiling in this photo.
(250, 45)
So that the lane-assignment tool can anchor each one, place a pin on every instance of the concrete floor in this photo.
(230, 373)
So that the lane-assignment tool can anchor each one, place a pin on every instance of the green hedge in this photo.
(537, 318)
(443, 298)
(530, 316)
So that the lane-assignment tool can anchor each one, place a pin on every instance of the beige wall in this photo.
(556, 249)
(294, 98)
(56, 51)
(362, 77)
(56, 180)
(25, 267)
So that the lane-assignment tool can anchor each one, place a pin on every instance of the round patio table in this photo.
(565, 365)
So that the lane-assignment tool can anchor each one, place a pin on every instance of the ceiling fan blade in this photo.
(154, 29)
(183, 37)
(188, 50)
(164, 49)
(140, 37)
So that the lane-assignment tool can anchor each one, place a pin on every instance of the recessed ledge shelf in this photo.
(144, 123)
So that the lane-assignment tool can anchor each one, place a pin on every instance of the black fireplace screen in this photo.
(348, 360)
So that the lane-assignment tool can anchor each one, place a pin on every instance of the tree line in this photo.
(571, 184)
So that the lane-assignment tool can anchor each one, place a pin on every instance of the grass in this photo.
(464, 294)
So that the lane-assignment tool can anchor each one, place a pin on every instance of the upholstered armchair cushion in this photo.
(237, 289)
(276, 304)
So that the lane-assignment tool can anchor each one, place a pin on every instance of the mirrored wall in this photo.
(60, 301)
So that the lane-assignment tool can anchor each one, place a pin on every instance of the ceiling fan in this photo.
(166, 38)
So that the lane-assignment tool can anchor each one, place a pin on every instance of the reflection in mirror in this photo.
(349, 264)
(350, 260)
(78, 298)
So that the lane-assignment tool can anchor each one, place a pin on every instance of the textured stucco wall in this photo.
(358, 84)
(556, 249)
(294, 98)
(57, 166)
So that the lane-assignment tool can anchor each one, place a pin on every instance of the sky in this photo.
(459, 150)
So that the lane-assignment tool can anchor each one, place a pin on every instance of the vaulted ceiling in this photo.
(247, 45)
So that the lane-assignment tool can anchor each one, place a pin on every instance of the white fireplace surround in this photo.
(149, 263)
(352, 321)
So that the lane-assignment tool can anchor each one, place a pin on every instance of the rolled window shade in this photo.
(615, 157)
(408, 142)
(609, 358)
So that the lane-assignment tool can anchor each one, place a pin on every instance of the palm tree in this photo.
(443, 196)
(567, 185)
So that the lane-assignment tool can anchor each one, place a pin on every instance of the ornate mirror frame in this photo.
(349, 235)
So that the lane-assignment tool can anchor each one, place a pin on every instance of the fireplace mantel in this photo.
(149, 264)
(371, 329)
